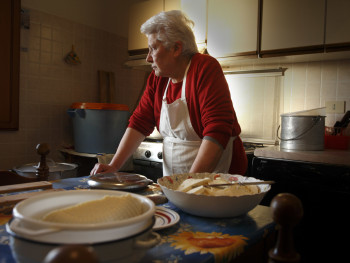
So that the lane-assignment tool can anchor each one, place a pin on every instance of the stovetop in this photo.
(149, 151)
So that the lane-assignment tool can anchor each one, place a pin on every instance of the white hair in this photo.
(172, 26)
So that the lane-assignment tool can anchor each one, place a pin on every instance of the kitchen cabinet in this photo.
(196, 10)
(233, 27)
(9, 64)
(337, 25)
(292, 27)
(139, 13)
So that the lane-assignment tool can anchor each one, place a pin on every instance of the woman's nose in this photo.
(149, 58)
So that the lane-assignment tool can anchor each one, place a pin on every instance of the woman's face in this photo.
(162, 59)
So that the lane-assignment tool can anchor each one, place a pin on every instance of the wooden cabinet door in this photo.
(9, 63)
(138, 14)
(292, 26)
(232, 27)
(338, 25)
(172, 5)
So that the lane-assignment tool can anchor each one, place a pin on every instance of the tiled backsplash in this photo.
(304, 86)
(48, 85)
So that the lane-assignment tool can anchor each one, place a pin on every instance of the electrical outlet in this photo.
(335, 106)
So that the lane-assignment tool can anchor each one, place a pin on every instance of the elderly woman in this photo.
(188, 100)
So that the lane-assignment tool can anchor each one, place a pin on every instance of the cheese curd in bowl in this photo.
(189, 193)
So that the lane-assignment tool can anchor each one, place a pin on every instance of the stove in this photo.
(148, 159)
(249, 147)
(149, 151)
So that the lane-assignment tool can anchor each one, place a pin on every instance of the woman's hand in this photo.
(128, 144)
(102, 168)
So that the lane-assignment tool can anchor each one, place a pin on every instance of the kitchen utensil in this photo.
(119, 181)
(211, 206)
(239, 183)
(72, 57)
(14, 199)
(25, 187)
(343, 123)
(106, 86)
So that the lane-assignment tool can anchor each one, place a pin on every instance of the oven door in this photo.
(152, 170)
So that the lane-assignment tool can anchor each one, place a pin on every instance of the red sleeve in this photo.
(146, 115)
(211, 108)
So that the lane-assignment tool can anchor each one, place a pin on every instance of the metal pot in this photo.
(305, 133)
(128, 250)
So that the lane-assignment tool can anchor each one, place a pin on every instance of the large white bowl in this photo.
(211, 206)
(27, 221)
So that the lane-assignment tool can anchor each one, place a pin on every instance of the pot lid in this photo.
(119, 181)
(53, 167)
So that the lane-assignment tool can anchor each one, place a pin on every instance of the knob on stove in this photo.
(148, 153)
(160, 155)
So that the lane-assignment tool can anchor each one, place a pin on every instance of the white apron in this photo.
(180, 141)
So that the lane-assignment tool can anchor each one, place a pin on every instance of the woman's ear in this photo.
(178, 48)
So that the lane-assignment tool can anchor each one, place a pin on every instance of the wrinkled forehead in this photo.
(153, 40)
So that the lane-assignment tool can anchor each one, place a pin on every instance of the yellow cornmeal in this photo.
(108, 209)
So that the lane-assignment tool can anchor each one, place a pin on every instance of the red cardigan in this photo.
(209, 104)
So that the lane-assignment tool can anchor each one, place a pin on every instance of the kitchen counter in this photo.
(328, 156)
(321, 180)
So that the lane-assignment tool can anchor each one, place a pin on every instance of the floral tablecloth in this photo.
(192, 239)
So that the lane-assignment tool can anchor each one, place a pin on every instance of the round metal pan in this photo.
(119, 181)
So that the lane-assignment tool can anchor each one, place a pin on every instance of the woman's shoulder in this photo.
(205, 58)
(205, 61)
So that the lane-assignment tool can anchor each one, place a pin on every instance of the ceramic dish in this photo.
(27, 221)
(211, 206)
(165, 218)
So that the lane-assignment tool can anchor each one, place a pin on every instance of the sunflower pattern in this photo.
(224, 247)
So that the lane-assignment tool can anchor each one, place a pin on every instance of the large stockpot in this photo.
(98, 127)
(128, 250)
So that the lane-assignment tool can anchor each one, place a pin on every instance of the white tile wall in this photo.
(304, 86)
(48, 86)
